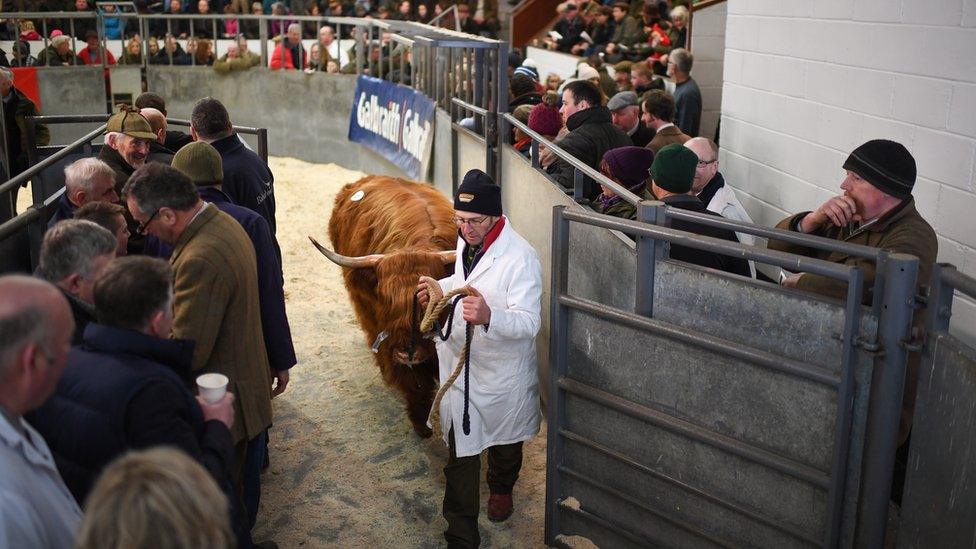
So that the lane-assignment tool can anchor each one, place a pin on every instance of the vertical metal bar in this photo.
(37, 190)
(845, 404)
(887, 386)
(558, 354)
(358, 44)
(578, 181)
(263, 144)
(263, 37)
(534, 154)
(501, 128)
(940, 301)
(649, 250)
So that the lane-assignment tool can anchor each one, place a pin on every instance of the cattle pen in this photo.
(685, 407)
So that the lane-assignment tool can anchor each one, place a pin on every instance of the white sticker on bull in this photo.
(357, 196)
(380, 337)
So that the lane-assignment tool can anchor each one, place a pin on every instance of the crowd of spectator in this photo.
(159, 264)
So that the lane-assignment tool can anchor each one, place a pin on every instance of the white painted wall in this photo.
(708, 47)
(806, 82)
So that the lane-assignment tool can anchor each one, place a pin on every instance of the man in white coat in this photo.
(709, 186)
(495, 405)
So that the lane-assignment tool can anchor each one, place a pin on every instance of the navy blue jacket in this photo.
(247, 179)
(271, 293)
(120, 390)
(66, 210)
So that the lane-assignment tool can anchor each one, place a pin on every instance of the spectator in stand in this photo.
(59, 53)
(553, 82)
(234, 60)
(625, 111)
(404, 11)
(92, 53)
(81, 26)
(626, 33)
(152, 48)
(175, 139)
(20, 55)
(570, 27)
(621, 76)
(423, 14)
(658, 115)
(126, 387)
(114, 26)
(73, 256)
(156, 498)
(591, 134)
(329, 44)
(111, 217)
(231, 25)
(278, 27)
(85, 180)
(672, 175)
(628, 167)
(171, 54)
(289, 53)
(545, 120)
(247, 179)
(587, 73)
(643, 80)
(522, 91)
(36, 508)
(132, 54)
(687, 96)
(216, 303)
(679, 26)
(532, 74)
(203, 28)
(204, 56)
(252, 27)
(29, 33)
(176, 27)
(601, 29)
(521, 142)
(710, 188)
(157, 151)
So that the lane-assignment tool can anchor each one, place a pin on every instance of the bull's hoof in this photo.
(422, 430)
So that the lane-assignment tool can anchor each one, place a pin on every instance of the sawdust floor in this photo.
(346, 468)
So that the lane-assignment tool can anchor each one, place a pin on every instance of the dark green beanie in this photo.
(674, 168)
(201, 163)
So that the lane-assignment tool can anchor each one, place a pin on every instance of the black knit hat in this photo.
(479, 194)
(885, 164)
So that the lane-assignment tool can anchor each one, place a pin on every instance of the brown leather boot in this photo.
(499, 507)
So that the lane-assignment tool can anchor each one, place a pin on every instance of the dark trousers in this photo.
(462, 496)
(247, 476)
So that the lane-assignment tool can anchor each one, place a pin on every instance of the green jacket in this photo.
(246, 60)
(49, 57)
(627, 32)
(622, 208)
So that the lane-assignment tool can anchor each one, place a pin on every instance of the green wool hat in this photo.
(674, 168)
(201, 163)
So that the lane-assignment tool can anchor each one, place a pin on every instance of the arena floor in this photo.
(346, 468)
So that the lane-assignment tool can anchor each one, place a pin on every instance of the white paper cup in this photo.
(212, 387)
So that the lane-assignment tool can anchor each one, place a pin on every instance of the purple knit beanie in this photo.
(629, 165)
(545, 120)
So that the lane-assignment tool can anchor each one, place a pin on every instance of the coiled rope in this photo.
(428, 327)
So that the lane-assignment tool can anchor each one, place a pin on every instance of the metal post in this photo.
(558, 354)
(940, 301)
(501, 128)
(578, 181)
(887, 387)
(649, 251)
(263, 36)
(263, 144)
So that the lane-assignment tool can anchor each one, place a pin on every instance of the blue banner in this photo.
(395, 121)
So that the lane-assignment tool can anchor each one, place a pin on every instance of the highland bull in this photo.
(387, 233)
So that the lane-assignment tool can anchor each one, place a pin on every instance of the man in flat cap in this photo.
(495, 405)
(877, 210)
(626, 115)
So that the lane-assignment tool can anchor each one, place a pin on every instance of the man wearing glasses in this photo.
(495, 405)
(215, 299)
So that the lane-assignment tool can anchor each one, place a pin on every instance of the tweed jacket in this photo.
(216, 304)
(667, 136)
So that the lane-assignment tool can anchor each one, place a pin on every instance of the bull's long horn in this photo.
(448, 256)
(360, 262)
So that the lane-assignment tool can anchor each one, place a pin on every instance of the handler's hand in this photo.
(475, 310)
(428, 288)
(839, 210)
(282, 377)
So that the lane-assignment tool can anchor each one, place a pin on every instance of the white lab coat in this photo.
(504, 384)
(728, 206)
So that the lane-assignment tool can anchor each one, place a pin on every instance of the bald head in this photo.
(35, 334)
(707, 152)
(157, 121)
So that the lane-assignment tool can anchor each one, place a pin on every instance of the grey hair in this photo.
(81, 173)
(682, 59)
(71, 246)
(19, 329)
(6, 74)
(294, 26)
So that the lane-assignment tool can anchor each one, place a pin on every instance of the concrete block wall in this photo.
(708, 47)
(806, 82)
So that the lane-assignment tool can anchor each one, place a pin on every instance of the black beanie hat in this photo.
(885, 164)
(479, 194)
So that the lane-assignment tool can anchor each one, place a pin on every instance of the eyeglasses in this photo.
(144, 226)
(471, 222)
(703, 163)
